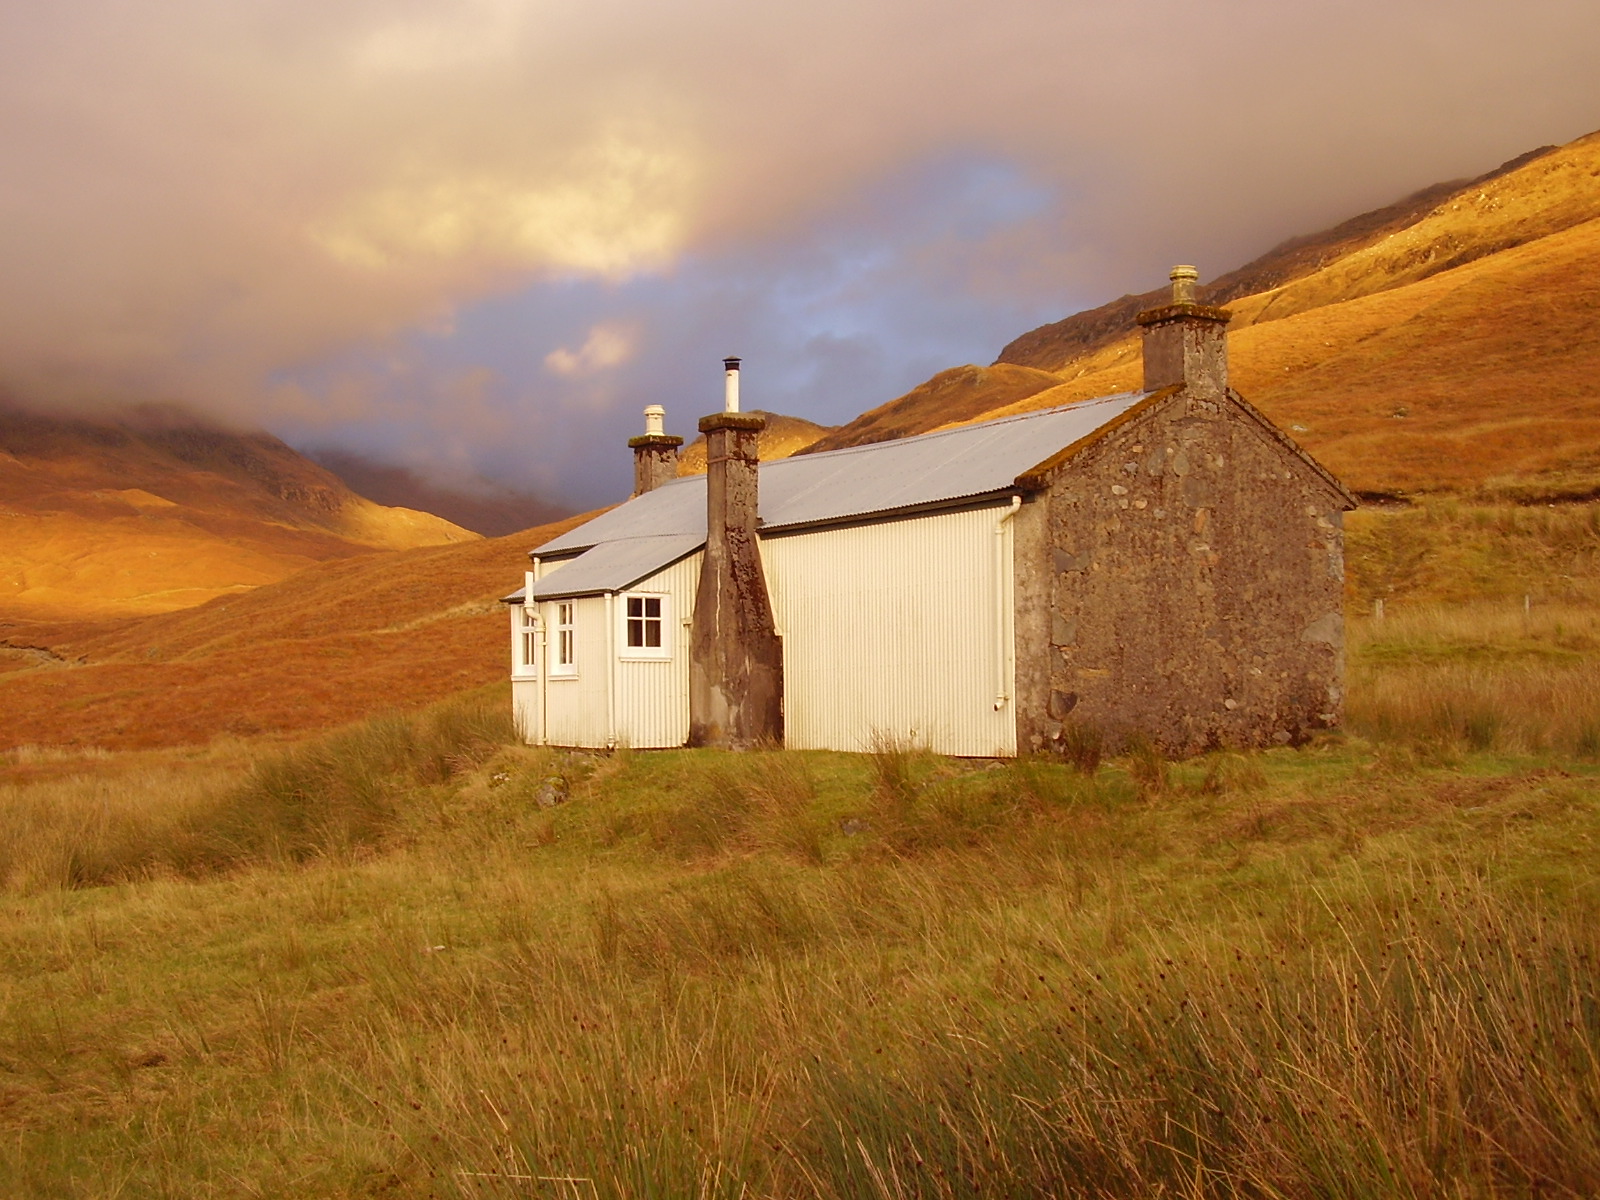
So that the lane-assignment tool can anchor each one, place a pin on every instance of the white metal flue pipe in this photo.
(541, 652)
(730, 385)
(611, 670)
(1002, 606)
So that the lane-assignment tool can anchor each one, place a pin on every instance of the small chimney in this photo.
(1186, 342)
(655, 455)
(735, 655)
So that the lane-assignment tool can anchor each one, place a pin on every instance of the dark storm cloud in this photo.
(315, 215)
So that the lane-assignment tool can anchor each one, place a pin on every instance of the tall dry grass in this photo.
(1486, 676)
(1444, 551)
(1025, 1021)
(1242, 976)
(415, 958)
(335, 795)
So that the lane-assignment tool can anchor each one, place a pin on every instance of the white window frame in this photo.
(563, 649)
(527, 647)
(663, 622)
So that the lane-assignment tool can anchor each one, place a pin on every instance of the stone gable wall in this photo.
(1182, 578)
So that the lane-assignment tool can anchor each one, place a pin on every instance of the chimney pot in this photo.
(1183, 280)
(730, 392)
(655, 421)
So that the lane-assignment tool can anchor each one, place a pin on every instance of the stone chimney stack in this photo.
(655, 455)
(735, 655)
(1186, 342)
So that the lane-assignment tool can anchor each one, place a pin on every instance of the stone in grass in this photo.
(553, 791)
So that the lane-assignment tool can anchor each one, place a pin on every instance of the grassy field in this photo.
(413, 958)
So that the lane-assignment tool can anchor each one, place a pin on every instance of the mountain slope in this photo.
(340, 640)
(151, 511)
(1479, 378)
(490, 509)
(1052, 347)
(1454, 352)
(961, 393)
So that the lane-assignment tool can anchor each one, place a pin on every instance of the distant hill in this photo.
(489, 509)
(781, 438)
(1443, 343)
(340, 640)
(152, 510)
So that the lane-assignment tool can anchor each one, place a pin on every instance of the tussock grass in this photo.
(1486, 676)
(1334, 971)
(337, 795)
(416, 958)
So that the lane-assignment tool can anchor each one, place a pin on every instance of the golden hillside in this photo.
(960, 394)
(1456, 351)
(153, 512)
(782, 437)
(340, 640)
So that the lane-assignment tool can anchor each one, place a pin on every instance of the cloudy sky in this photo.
(478, 236)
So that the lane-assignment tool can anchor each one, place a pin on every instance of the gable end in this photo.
(1038, 477)
(1346, 498)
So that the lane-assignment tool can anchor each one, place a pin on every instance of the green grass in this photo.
(1347, 970)
(415, 959)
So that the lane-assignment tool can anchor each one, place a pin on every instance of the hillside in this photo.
(1051, 347)
(1451, 348)
(151, 511)
(485, 507)
(959, 394)
(782, 437)
(338, 641)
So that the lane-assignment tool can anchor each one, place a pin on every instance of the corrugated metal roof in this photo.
(615, 564)
(640, 537)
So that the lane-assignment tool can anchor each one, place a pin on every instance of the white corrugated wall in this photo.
(579, 709)
(892, 628)
(653, 694)
(614, 699)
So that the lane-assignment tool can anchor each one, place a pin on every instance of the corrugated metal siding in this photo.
(579, 715)
(525, 709)
(891, 628)
(650, 708)
(653, 695)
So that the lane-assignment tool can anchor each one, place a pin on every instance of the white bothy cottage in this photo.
(1163, 560)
